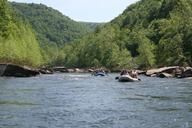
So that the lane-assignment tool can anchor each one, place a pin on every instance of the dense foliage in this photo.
(50, 25)
(148, 33)
(52, 28)
(18, 43)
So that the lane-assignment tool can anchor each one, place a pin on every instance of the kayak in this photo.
(128, 78)
(99, 74)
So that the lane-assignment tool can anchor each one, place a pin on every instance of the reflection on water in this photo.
(15, 103)
(85, 101)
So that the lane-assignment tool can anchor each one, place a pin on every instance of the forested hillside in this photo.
(147, 34)
(51, 25)
(52, 28)
(92, 25)
(18, 43)
(150, 33)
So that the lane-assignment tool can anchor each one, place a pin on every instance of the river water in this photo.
(85, 101)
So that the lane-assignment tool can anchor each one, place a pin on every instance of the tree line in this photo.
(149, 33)
(18, 42)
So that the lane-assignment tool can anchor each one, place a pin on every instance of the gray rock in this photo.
(141, 72)
(187, 73)
(165, 75)
(60, 69)
(188, 78)
(169, 70)
(45, 71)
(2, 69)
(12, 70)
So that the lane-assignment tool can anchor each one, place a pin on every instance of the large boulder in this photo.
(187, 73)
(141, 72)
(188, 78)
(90, 70)
(169, 70)
(70, 70)
(2, 68)
(179, 71)
(77, 70)
(45, 71)
(152, 71)
(60, 69)
(17, 71)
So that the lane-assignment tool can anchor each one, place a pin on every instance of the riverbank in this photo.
(12, 70)
(24, 71)
(163, 72)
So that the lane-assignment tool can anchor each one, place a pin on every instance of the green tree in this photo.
(18, 43)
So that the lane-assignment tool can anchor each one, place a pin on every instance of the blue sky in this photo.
(87, 10)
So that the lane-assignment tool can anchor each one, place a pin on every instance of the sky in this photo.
(87, 10)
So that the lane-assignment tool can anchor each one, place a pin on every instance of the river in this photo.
(85, 101)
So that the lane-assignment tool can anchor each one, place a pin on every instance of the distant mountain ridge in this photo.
(50, 25)
(53, 29)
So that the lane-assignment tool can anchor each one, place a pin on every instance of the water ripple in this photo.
(85, 101)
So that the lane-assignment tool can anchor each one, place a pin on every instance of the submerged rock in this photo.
(60, 69)
(165, 75)
(45, 71)
(69, 70)
(153, 75)
(17, 71)
(188, 78)
(187, 73)
(141, 72)
(2, 69)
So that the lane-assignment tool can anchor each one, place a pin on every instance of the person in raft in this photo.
(124, 72)
(132, 73)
